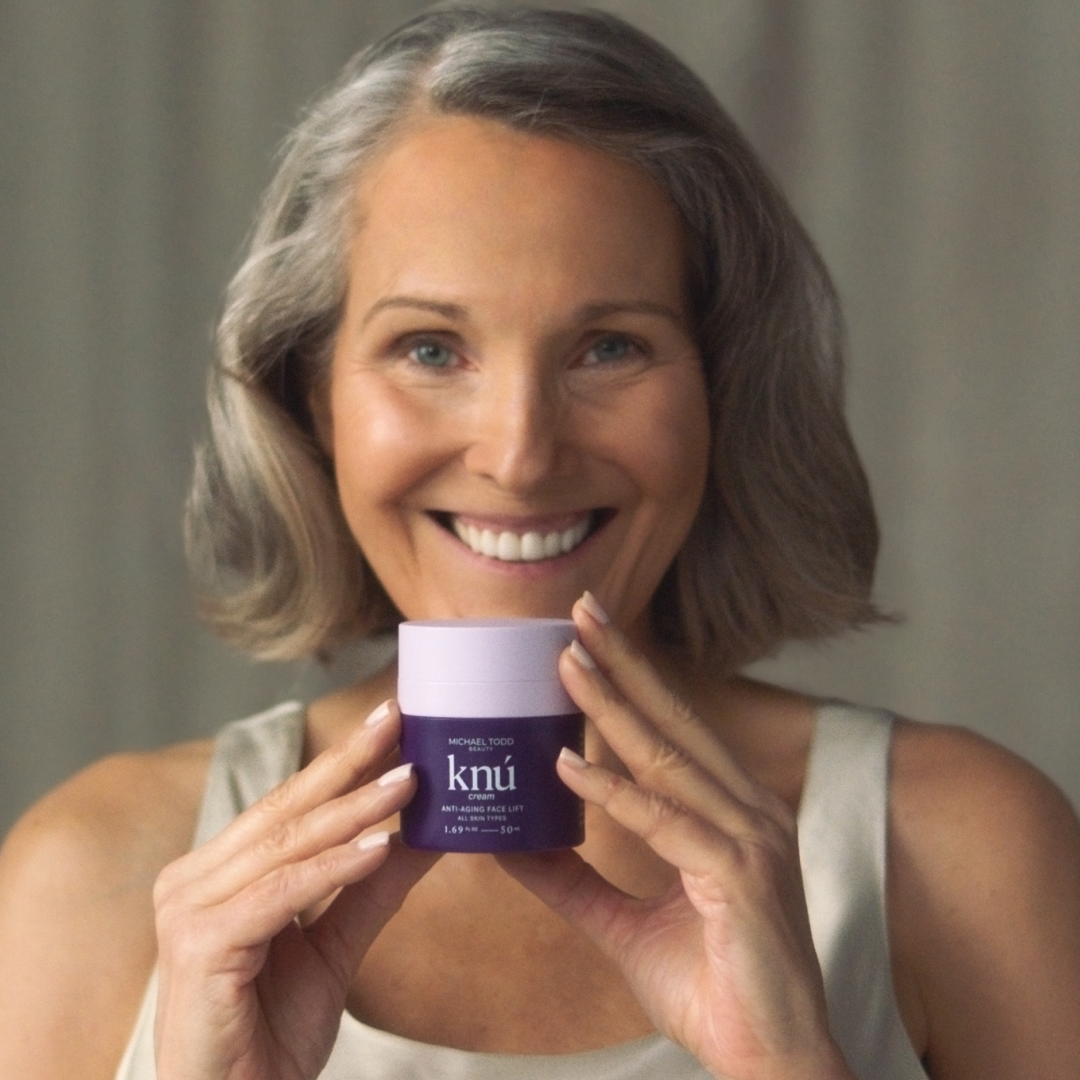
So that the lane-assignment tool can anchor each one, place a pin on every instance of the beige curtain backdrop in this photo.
(933, 149)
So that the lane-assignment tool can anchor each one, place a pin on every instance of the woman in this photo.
(519, 278)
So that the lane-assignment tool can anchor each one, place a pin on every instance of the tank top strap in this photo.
(843, 829)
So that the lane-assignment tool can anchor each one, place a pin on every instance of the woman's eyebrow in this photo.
(633, 307)
(588, 313)
(449, 311)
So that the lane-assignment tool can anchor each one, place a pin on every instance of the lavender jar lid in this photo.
(483, 668)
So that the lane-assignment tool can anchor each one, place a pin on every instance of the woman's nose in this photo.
(518, 436)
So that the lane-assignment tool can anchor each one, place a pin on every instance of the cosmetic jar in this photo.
(484, 716)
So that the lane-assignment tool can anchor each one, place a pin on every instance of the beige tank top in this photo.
(842, 829)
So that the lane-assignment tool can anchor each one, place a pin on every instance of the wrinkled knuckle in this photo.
(334, 864)
(279, 840)
(668, 759)
(611, 787)
(770, 857)
(773, 835)
(758, 863)
(278, 886)
(679, 711)
(281, 798)
(268, 893)
(340, 759)
(277, 889)
(663, 815)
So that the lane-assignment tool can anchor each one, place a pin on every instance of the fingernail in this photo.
(575, 761)
(396, 776)
(373, 840)
(577, 651)
(592, 606)
(378, 715)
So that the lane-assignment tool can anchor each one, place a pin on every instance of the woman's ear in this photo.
(318, 403)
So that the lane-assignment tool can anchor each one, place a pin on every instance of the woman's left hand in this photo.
(723, 963)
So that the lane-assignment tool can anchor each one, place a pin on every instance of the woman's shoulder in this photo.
(121, 814)
(959, 799)
(984, 898)
(76, 913)
(977, 834)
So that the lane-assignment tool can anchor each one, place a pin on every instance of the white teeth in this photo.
(514, 547)
(532, 546)
(509, 549)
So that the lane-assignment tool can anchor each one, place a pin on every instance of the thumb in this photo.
(344, 932)
(573, 889)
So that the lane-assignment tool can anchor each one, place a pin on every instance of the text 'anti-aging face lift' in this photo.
(484, 716)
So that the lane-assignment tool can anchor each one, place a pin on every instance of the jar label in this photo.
(491, 785)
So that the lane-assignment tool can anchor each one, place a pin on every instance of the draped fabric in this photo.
(932, 149)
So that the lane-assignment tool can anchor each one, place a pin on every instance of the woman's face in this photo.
(515, 408)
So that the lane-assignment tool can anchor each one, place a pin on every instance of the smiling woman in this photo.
(783, 542)
(525, 330)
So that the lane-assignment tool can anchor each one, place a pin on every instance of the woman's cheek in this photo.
(386, 439)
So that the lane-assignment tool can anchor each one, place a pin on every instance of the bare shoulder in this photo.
(958, 796)
(966, 810)
(76, 914)
(984, 905)
(103, 835)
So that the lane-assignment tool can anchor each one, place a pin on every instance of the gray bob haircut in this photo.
(785, 541)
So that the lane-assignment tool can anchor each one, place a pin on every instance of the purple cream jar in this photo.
(484, 716)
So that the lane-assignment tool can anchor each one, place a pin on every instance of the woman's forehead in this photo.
(460, 195)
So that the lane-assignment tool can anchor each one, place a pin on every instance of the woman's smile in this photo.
(516, 409)
(526, 540)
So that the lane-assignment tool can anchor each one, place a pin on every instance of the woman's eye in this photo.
(432, 354)
(610, 350)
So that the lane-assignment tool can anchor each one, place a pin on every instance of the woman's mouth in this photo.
(524, 544)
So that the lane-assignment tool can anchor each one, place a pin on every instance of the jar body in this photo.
(484, 717)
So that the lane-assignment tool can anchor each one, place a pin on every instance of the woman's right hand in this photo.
(245, 991)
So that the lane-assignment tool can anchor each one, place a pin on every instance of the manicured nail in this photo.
(575, 761)
(373, 840)
(577, 651)
(378, 715)
(592, 606)
(396, 776)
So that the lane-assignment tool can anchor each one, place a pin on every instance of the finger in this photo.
(344, 932)
(341, 768)
(258, 913)
(638, 681)
(573, 889)
(296, 840)
(681, 837)
(653, 761)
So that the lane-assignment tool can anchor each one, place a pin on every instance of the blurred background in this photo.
(933, 150)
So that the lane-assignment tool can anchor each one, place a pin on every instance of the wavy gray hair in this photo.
(785, 541)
